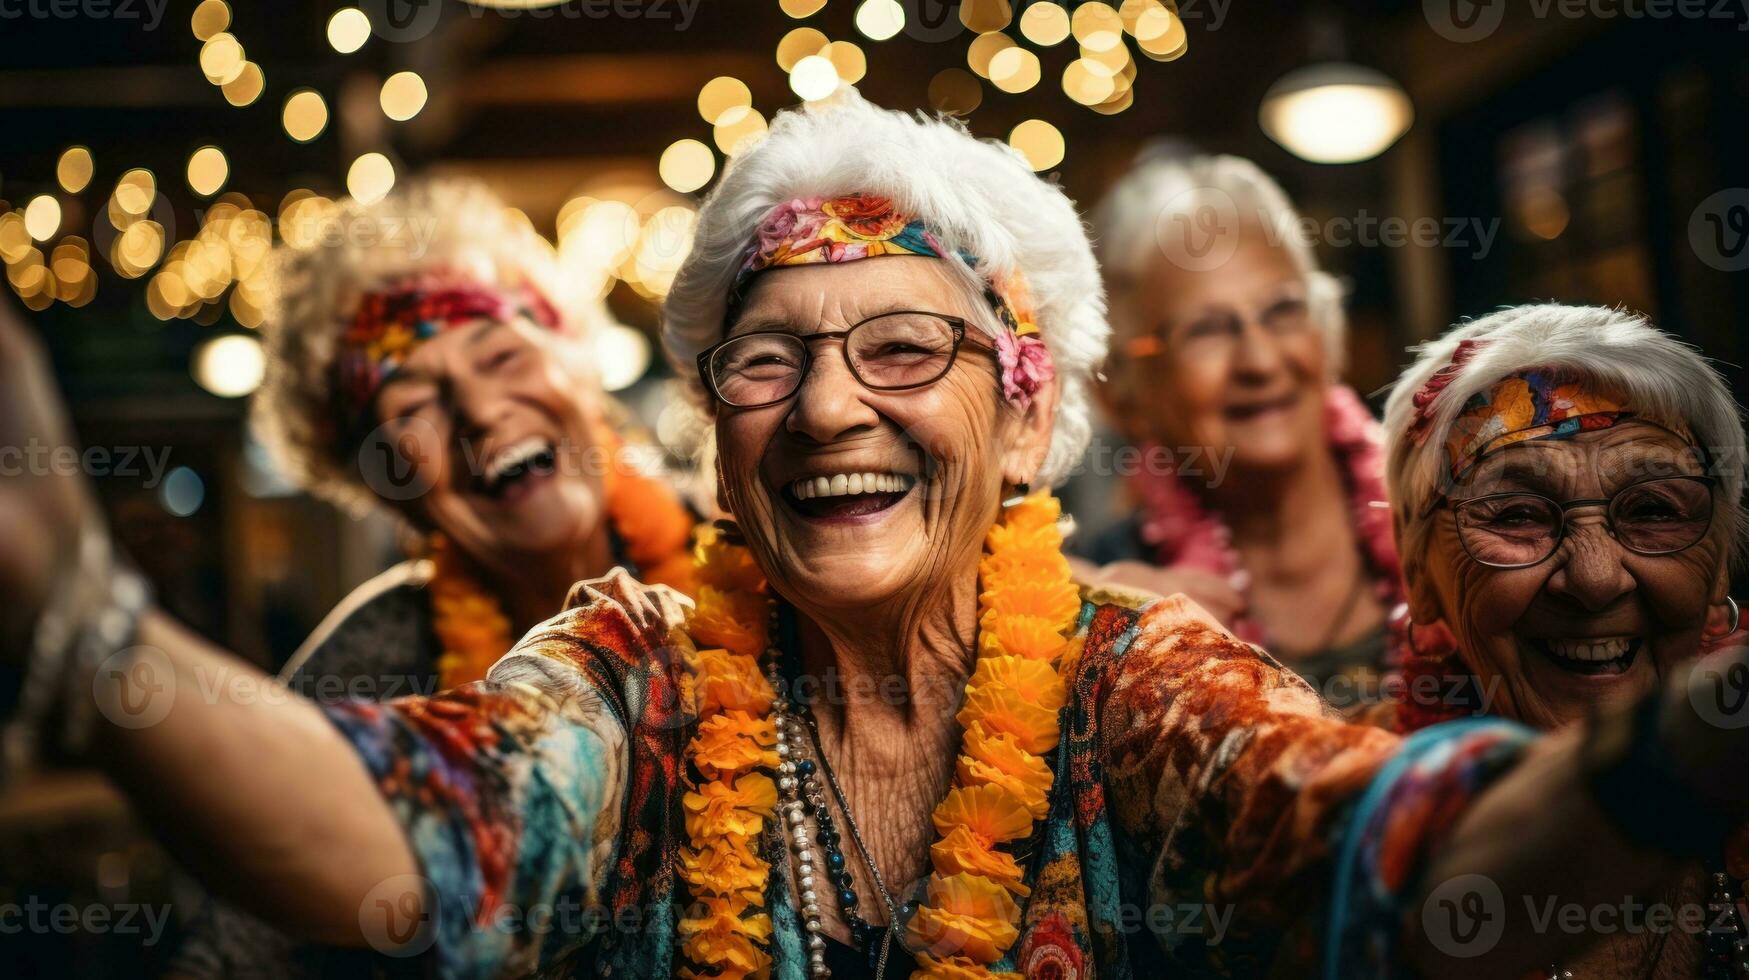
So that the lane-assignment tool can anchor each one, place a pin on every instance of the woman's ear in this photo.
(1030, 437)
(1718, 614)
(1424, 605)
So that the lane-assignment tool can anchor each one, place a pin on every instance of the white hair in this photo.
(977, 197)
(1163, 187)
(449, 225)
(1657, 374)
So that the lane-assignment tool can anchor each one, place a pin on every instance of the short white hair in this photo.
(978, 197)
(1164, 186)
(451, 225)
(1657, 374)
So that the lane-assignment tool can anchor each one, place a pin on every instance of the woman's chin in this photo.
(1563, 691)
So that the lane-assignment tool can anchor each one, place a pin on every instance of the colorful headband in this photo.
(1541, 403)
(861, 226)
(390, 325)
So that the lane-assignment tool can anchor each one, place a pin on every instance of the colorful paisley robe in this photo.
(1206, 806)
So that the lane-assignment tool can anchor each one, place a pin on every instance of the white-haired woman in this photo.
(1259, 477)
(1567, 484)
(427, 360)
(892, 734)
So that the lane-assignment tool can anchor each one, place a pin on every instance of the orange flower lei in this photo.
(470, 622)
(969, 919)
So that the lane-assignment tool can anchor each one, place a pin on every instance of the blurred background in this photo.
(1450, 157)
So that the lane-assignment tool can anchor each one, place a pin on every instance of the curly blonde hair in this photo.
(314, 287)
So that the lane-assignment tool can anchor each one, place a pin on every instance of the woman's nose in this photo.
(1591, 572)
(829, 403)
(477, 404)
(1256, 352)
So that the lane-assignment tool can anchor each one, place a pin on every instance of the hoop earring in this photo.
(1736, 618)
(1020, 492)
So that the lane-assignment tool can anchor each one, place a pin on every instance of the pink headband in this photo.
(860, 226)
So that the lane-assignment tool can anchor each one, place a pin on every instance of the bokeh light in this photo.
(305, 115)
(42, 217)
(814, 77)
(370, 178)
(1044, 24)
(1040, 142)
(348, 29)
(207, 171)
(687, 165)
(879, 20)
(73, 170)
(721, 94)
(403, 95)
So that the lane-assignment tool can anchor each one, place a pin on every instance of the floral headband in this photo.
(1541, 403)
(390, 325)
(860, 226)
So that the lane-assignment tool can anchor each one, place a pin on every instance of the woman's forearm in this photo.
(248, 784)
(1535, 841)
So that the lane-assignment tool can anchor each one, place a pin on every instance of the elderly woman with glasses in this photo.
(891, 736)
(1259, 488)
(1566, 482)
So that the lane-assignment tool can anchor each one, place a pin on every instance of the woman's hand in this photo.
(1207, 590)
(42, 507)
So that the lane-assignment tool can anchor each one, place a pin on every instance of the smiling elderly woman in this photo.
(891, 735)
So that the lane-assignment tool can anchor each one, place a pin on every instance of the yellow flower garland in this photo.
(969, 919)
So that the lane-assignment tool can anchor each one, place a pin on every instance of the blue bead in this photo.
(835, 861)
(805, 767)
(847, 899)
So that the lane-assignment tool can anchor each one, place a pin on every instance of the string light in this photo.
(799, 44)
(813, 77)
(801, 8)
(688, 165)
(221, 58)
(984, 47)
(848, 61)
(1045, 24)
(207, 171)
(403, 95)
(956, 91)
(737, 129)
(305, 115)
(721, 94)
(1040, 142)
(985, 16)
(348, 29)
(73, 170)
(42, 217)
(370, 178)
(210, 17)
(1014, 70)
(880, 20)
(246, 87)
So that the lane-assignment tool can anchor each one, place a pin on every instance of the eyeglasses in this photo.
(1216, 333)
(893, 351)
(1518, 530)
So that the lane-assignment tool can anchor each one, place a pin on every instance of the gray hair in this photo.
(978, 197)
(1657, 374)
(1162, 188)
(313, 290)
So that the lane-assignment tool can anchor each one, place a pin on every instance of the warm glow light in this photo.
(230, 366)
(1097, 26)
(403, 96)
(1014, 70)
(73, 170)
(305, 115)
(813, 77)
(1335, 113)
(1160, 34)
(956, 91)
(801, 8)
(1038, 141)
(210, 17)
(246, 87)
(688, 165)
(847, 60)
(370, 178)
(984, 16)
(207, 171)
(1045, 24)
(737, 129)
(42, 217)
(1088, 82)
(623, 356)
(799, 44)
(221, 58)
(348, 29)
(984, 48)
(880, 20)
(138, 249)
(721, 94)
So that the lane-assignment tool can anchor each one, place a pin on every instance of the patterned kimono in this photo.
(1206, 804)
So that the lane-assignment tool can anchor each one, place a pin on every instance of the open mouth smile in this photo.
(1252, 410)
(1589, 656)
(841, 496)
(514, 471)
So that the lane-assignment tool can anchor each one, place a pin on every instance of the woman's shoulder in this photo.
(381, 630)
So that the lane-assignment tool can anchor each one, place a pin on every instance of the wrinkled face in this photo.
(1595, 622)
(1236, 364)
(492, 419)
(847, 496)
